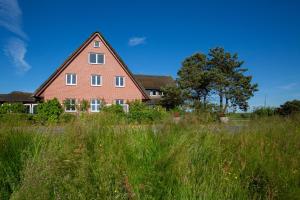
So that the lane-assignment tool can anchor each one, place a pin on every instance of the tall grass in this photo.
(103, 157)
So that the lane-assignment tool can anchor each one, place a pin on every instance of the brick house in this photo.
(96, 73)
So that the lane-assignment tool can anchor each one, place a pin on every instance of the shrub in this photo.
(84, 105)
(12, 108)
(4, 108)
(17, 108)
(263, 112)
(140, 112)
(289, 107)
(114, 109)
(49, 111)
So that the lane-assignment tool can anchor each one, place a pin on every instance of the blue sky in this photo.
(154, 37)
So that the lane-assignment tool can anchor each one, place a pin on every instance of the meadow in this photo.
(102, 156)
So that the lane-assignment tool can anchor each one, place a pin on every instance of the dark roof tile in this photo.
(153, 81)
(17, 96)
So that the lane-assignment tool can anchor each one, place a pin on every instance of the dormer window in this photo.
(97, 44)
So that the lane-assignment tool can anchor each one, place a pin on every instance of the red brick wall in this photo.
(84, 70)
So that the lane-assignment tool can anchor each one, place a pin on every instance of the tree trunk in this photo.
(204, 101)
(226, 104)
(221, 101)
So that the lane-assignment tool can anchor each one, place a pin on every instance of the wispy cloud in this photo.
(11, 17)
(134, 41)
(15, 49)
(288, 86)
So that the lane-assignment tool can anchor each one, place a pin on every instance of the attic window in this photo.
(97, 44)
(96, 58)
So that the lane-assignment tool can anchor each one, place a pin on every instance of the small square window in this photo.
(95, 105)
(70, 105)
(96, 80)
(119, 101)
(71, 79)
(97, 44)
(120, 81)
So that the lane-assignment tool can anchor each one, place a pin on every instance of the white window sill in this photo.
(71, 111)
(71, 84)
(96, 63)
(120, 86)
(96, 85)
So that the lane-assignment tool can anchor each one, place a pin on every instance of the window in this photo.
(70, 105)
(71, 79)
(120, 81)
(95, 105)
(154, 93)
(27, 108)
(119, 101)
(96, 58)
(34, 108)
(97, 44)
(96, 80)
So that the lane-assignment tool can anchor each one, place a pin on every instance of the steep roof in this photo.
(77, 52)
(17, 96)
(153, 81)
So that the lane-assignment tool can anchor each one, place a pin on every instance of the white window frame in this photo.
(100, 77)
(96, 59)
(118, 77)
(96, 104)
(32, 107)
(72, 75)
(71, 104)
(117, 102)
(156, 93)
(95, 46)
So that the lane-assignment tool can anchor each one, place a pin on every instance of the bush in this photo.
(140, 112)
(263, 112)
(289, 107)
(49, 111)
(12, 108)
(4, 108)
(84, 105)
(114, 109)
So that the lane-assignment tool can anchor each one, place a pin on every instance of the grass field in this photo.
(103, 157)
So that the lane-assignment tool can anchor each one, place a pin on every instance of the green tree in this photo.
(195, 77)
(229, 81)
(289, 107)
(173, 96)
